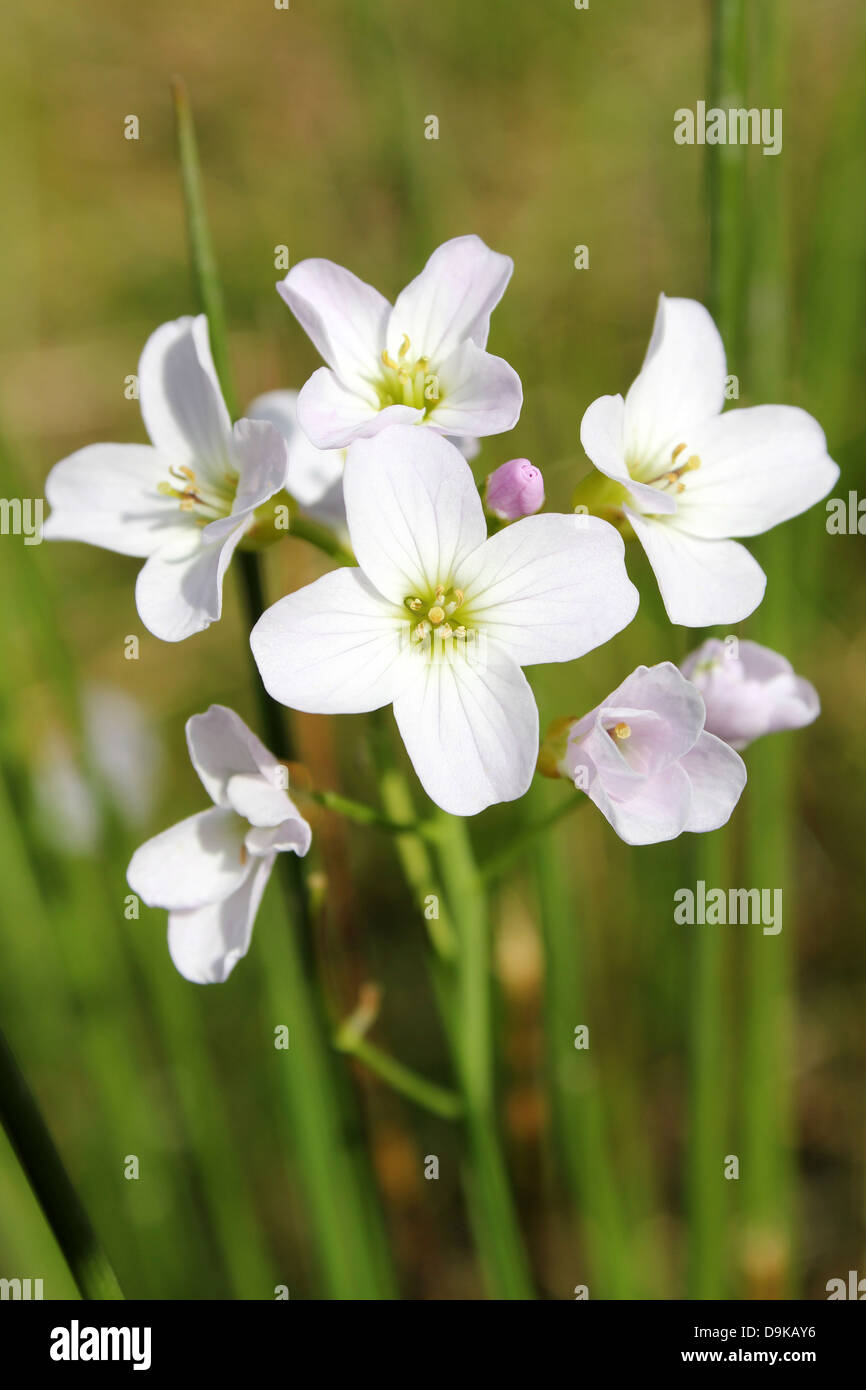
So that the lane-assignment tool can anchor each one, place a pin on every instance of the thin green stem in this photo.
(361, 814)
(46, 1174)
(437, 1099)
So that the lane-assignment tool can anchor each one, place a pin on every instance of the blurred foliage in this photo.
(556, 129)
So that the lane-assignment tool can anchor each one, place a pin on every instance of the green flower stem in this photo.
(708, 1254)
(575, 1086)
(437, 1099)
(526, 837)
(360, 814)
(344, 1208)
(29, 1136)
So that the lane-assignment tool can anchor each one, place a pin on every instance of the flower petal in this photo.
(717, 775)
(759, 467)
(602, 435)
(657, 810)
(268, 808)
(221, 746)
(479, 394)
(681, 382)
(451, 300)
(470, 727)
(345, 318)
(332, 415)
(550, 588)
(198, 861)
(107, 495)
(260, 455)
(333, 647)
(179, 590)
(413, 509)
(206, 945)
(702, 582)
(314, 476)
(181, 402)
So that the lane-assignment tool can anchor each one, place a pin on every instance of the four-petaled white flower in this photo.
(688, 477)
(644, 757)
(749, 691)
(439, 619)
(186, 500)
(210, 871)
(421, 361)
(314, 477)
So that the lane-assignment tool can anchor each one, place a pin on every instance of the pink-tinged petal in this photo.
(181, 402)
(514, 489)
(549, 588)
(334, 647)
(470, 726)
(759, 467)
(451, 300)
(179, 590)
(666, 692)
(657, 810)
(717, 775)
(681, 382)
(314, 476)
(602, 435)
(107, 495)
(200, 860)
(749, 691)
(206, 945)
(345, 318)
(479, 394)
(413, 509)
(702, 582)
(221, 746)
(332, 415)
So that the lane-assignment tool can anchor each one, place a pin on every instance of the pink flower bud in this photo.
(516, 489)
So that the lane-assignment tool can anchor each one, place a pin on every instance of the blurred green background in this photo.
(555, 130)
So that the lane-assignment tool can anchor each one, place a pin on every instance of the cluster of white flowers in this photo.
(452, 595)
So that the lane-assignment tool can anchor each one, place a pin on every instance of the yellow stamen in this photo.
(677, 451)
(621, 731)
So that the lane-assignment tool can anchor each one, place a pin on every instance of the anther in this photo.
(621, 731)
(677, 451)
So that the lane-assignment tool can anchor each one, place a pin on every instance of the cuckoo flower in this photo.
(183, 502)
(422, 361)
(210, 871)
(688, 478)
(513, 490)
(749, 690)
(439, 619)
(646, 760)
(314, 477)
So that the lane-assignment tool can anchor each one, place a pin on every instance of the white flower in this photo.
(314, 477)
(186, 500)
(422, 361)
(749, 691)
(210, 871)
(644, 757)
(687, 477)
(439, 619)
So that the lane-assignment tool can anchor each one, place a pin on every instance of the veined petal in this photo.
(666, 691)
(550, 587)
(451, 299)
(345, 318)
(206, 944)
(314, 476)
(333, 647)
(657, 810)
(198, 861)
(602, 435)
(333, 415)
(759, 466)
(413, 510)
(480, 394)
(181, 402)
(470, 727)
(702, 582)
(717, 775)
(221, 746)
(107, 495)
(260, 455)
(179, 590)
(681, 382)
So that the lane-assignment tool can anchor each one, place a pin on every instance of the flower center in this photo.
(408, 381)
(670, 478)
(206, 500)
(620, 732)
(441, 617)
